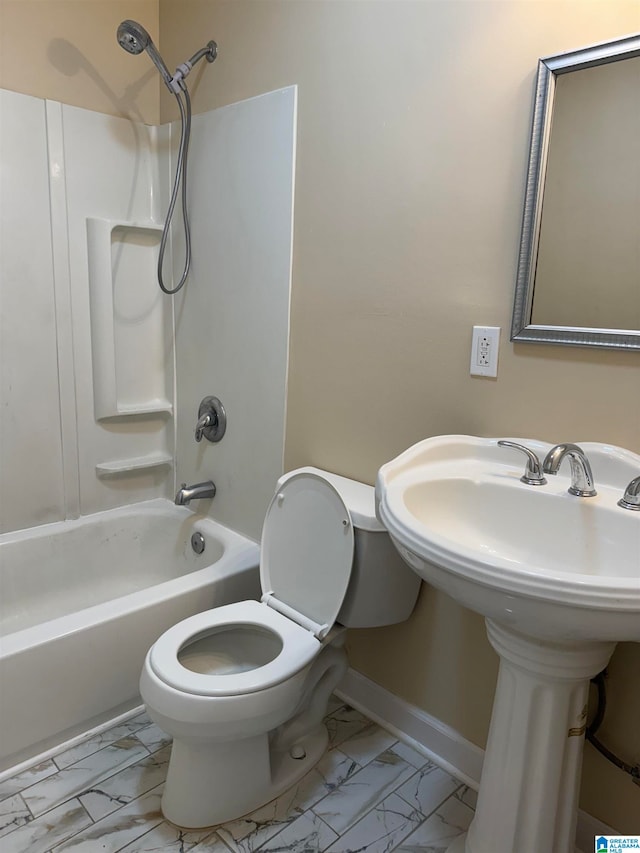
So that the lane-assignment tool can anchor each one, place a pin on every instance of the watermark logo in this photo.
(616, 843)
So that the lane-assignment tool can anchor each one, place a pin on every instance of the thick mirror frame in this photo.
(548, 70)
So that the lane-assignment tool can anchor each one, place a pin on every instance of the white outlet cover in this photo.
(485, 343)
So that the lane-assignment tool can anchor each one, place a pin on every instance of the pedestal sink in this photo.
(557, 578)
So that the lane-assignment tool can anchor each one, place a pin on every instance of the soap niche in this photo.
(131, 320)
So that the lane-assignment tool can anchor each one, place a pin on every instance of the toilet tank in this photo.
(382, 589)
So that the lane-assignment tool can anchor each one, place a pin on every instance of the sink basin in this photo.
(533, 557)
(557, 578)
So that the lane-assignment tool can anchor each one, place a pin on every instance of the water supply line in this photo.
(133, 37)
(632, 770)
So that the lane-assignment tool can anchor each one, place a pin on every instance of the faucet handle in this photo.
(212, 420)
(533, 473)
(203, 423)
(631, 499)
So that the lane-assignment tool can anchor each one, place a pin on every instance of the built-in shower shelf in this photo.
(147, 407)
(135, 463)
(131, 320)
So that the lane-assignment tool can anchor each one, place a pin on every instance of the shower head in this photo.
(133, 37)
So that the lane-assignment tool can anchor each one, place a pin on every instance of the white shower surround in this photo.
(66, 169)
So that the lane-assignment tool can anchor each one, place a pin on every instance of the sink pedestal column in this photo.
(530, 778)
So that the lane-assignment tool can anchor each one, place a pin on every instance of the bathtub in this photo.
(81, 602)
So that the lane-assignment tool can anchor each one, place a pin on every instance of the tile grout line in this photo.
(161, 819)
(78, 794)
(395, 791)
(84, 758)
(130, 733)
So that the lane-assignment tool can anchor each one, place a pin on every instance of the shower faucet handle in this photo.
(207, 420)
(212, 420)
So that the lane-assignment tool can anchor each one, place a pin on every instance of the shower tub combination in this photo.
(82, 601)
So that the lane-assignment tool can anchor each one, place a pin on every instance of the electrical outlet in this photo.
(484, 351)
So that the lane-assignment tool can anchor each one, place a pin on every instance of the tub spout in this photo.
(186, 494)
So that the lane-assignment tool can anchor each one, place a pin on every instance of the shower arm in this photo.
(176, 84)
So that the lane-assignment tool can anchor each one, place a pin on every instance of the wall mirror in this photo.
(578, 277)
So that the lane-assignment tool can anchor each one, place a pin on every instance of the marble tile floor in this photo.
(370, 792)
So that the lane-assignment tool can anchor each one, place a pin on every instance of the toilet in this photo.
(243, 688)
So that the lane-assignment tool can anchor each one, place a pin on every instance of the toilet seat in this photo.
(299, 647)
(306, 551)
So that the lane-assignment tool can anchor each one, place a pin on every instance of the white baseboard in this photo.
(438, 741)
(430, 736)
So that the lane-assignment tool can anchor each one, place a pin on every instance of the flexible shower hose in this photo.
(180, 178)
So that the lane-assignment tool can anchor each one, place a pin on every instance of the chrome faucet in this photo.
(199, 491)
(582, 483)
(631, 499)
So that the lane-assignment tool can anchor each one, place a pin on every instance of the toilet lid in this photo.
(307, 550)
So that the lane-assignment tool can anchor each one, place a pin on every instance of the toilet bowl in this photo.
(243, 688)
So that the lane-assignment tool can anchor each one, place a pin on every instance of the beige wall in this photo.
(412, 146)
(66, 50)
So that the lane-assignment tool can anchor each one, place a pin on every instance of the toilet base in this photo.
(288, 770)
(210, 784)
